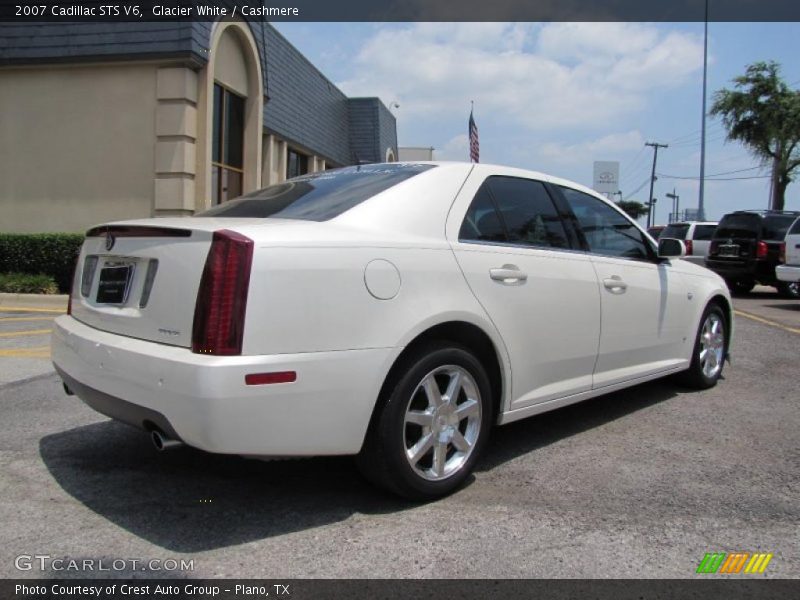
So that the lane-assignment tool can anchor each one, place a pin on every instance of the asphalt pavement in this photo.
(639, 483)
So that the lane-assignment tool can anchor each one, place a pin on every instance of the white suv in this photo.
(696, 236)
(790, 272)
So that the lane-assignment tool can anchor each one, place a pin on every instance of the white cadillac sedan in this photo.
(393, 311)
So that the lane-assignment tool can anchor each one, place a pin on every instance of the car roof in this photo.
(693, 223)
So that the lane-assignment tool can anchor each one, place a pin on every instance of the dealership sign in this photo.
(606, 176)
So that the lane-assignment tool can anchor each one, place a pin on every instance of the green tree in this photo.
(763, 113)
(633, 208)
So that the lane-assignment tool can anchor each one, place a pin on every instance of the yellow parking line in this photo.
(7, 334)
(39, 352)
(741, 313)
(34, 310)
(18, 319)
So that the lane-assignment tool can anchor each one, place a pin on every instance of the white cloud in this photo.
(456, 148)
(608, 147)
(539, 77)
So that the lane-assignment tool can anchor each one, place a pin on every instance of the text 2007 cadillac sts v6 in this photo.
(393, 311)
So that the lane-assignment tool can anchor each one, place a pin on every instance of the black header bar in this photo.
(399, 10)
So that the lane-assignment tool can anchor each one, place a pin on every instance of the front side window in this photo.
(515, 211)
(227, 152)
(606, 230)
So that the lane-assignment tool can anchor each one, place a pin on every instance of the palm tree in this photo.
(763, 113)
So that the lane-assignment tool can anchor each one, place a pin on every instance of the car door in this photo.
(645, 303)
(518, 258)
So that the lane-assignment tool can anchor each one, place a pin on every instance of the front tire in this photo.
(431, 425)
(710, 350)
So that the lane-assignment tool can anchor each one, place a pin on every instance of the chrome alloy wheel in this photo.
(712, 345)
(442, 422)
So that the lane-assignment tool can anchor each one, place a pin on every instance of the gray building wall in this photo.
(372, 130)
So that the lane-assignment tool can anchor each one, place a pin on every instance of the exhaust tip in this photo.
(163, 442)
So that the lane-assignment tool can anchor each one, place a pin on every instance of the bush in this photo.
(24, 283)
(52, 254)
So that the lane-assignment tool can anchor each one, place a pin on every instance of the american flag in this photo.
(474, 145)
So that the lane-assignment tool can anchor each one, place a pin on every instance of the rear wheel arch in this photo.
(461, 333)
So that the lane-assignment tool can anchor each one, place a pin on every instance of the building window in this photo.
(227, 156)
(296, 164)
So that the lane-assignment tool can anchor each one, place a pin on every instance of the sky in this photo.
(555, 97)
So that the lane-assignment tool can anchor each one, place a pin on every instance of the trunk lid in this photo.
(140, 278)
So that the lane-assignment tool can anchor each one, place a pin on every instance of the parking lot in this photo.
(639, 483)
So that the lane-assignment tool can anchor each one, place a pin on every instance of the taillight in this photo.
(761, 250)
(782, 253)
(713, 247)
(688, 244)
(222, 297)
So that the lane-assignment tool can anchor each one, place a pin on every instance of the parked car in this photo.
(747, 246)
(655, 231)
(789, 273)
(696, 236)
(394, 312)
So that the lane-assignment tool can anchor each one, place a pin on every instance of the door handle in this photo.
(508, 274)
(615, 285)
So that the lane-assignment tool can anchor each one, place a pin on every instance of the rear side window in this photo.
(703, 232)
(676, 231)
(795, 228)
(318, 196)
(516, 211)
(776, 226)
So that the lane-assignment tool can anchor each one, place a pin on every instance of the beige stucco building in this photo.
(115, 121)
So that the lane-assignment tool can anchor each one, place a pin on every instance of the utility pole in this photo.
(655, 146)
(701, 207)
(676, 205)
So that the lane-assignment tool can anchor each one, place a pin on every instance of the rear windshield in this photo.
(741, 226)
(769, 227)
(704, 232)
(676, 231)
(318, 196)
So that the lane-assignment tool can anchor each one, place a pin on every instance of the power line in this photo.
(709, 178)
(637, 190)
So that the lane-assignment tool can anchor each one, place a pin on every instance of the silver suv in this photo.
(696, 235)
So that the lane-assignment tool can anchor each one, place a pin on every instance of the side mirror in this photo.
(671, 248)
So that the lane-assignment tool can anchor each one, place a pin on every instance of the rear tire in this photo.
(431, 425)
(740, 287)
(710, 350)
(789, 290)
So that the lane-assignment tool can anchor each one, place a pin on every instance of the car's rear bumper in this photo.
(790, 273)
(204, 401)
(763, 272)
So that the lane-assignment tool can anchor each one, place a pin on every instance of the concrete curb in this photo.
(49, 301)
